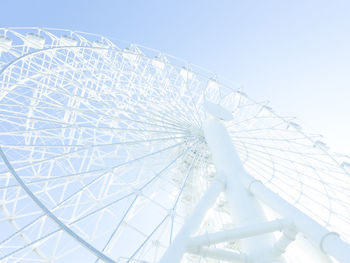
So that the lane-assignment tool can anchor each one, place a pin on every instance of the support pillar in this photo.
(245, 207)
(179, 245)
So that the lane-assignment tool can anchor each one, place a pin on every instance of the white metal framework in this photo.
(124, 155)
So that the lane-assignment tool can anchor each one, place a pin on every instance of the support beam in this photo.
(245, 208)
(314, 254)
(176, 250)
(239, 233)
(281, 245)
(329, 242)
(220, 254)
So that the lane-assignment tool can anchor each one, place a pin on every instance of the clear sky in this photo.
(296, 54)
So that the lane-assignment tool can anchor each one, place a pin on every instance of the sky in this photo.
(295, 54)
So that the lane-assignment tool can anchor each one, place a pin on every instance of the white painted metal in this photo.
(245, 208)
(109, 159)
(239, 232)
(312, 253)
(287, 237)
(52, 216)
(328, 242)
(220, 254)
(218, 111)
(178, 247)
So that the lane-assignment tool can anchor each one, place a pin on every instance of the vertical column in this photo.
(245, 208)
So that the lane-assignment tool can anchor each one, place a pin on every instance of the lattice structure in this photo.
(104, 154)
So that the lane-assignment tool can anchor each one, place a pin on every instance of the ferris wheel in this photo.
(113, 154)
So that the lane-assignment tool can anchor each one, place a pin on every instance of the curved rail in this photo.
(66, 229)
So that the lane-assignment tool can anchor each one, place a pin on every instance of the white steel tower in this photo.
(130, 155)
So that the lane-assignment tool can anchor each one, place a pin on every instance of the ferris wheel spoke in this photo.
(57, 207)
(188, 172)
(63, 155)
(60, 106)
(130, 161)
(147, 183)
(161, 117)
(14, 114)
(29, 244)
(308, 154)
(45, 179)
(50, 214)
(187, 113)
(166, 167)
(257, 156)
(96, 145)
(271, 139)
(159, 173)
(50, 121)
(195, 114)
(320, 180)
(295, 176)
(267, 142)
(170, 123)
(272, 182)
(145, 109)
(260, 152)
(178, 107)
(82, 127)
(107, 170)
(118, 225)
(148, 237)
(154, 108)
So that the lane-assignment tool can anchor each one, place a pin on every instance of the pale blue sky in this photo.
(295, 54)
